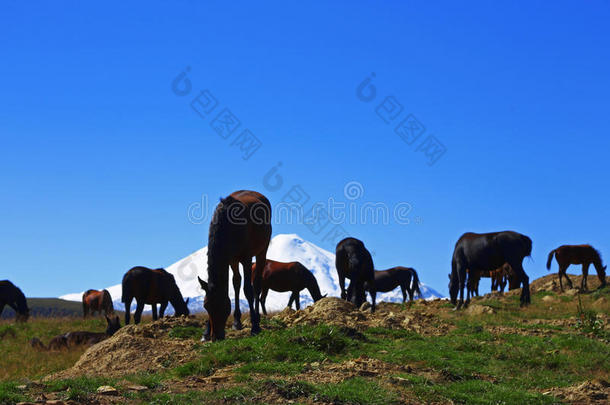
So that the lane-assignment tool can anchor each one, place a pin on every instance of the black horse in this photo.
(405, 277)
(12, 296)
(354, 261)
(478, 253)
(151, 287)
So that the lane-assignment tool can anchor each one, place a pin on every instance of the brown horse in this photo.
(405, 277)
(354, 261)
(80, 338)
(151, 287)
(240, 229)
(577, 254)
(479, 252)
(499, 278)
(287, 277)
(12, 296)
(97, 301)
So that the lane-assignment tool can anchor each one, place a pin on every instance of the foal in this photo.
(577, 254)
(286, 277)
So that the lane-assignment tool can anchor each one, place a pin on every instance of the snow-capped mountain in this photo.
(283, 248)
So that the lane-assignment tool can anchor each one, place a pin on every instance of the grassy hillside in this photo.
(557, 350)
(48, 307)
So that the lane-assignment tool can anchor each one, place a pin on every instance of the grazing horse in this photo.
(240, 229)
(80, 338)
(284, 277)
(151, 287)
(480, 252)
(578, 254)
(405, 277)
(97, 301)
(12, 296)
(354, 261)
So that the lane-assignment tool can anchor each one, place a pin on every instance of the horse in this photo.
(97, 301)
(499, 277)
(152, 287)
(80, 338)
(12, 296)
(284, 277)
(577, 254)
(479, 252)
(353, 261)
(240, 229)
(405, 277)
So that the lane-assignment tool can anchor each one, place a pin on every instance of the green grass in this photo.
(356, 391)
(283, 351)
(186, 332)
(9, 394)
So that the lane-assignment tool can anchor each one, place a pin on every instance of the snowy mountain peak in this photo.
(283, 248)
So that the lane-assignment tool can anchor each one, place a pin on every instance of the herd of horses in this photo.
(240, 229)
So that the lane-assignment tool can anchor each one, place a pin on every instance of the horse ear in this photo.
(324, 296)
(203, 284)
(187, 300)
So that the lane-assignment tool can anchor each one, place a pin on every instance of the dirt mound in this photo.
(134, 348)
(589, 392)
(335, 311)
(551, 282)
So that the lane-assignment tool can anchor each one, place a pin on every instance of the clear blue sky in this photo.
(100, 160)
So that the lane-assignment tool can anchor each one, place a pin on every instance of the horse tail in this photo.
(550, 259)
(416, 283)
(126, 289)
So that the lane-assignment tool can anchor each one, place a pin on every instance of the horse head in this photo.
(218, 307)
(453, 289)
(114, 324)
(23, 316)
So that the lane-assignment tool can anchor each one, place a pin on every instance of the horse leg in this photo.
(290, 301)
(261, 261)
(236, 287)
(84, 310)
(127, 310)
(525, 292)
(373, 293)
(342, 286)
(162, 309)
(249, 293)
(565, 274)
(138, 315)
(154, 312)
(403, 289)
(585, 276)
(264, 299)
(297, 299)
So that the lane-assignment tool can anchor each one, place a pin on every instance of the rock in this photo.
(55, 402)
(22, 387)
(315, 364)
(137, 388)
(549, 299)
(571, 292)
(476, 309)
(107, 390)
(600, 302)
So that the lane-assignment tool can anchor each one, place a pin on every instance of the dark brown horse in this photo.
(240, 229)
(480, 252)
(578, 254)
(12, 296)
(287, 277)
(353, 261)
(151, 287)
(97, 301)
(405, 277)
(80, 338)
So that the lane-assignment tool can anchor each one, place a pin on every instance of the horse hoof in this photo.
(255, 331)
(237, 326)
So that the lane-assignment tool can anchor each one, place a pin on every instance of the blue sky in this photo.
(101, 160)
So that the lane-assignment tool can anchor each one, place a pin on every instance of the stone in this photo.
(571, 292)
(137, 388)
(549, 299)
(107, 390)
(476, 309)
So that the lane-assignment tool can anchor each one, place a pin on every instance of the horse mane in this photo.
(216, 235)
